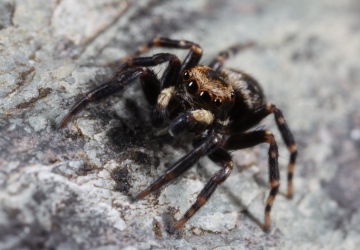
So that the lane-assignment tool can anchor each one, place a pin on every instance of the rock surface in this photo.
(72, 189)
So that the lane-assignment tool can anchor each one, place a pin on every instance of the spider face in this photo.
(206, 89)
(217, 105)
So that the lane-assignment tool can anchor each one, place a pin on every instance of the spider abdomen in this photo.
(249, 94)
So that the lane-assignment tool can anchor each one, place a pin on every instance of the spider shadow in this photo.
(234, 198)
(134, 131)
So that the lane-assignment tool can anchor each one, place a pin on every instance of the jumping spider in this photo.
(219, 105)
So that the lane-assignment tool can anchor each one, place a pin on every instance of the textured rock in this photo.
(72, 189)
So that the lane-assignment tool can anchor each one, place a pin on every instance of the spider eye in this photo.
(205, 97)
(232, 95)
(218, 102)
(192, 87)
(186, 75)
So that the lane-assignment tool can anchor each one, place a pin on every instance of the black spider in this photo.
(218, 105)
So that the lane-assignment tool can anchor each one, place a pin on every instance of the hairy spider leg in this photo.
(250, 139)
(213, 142)
(123, 77)
(191, 60)
(290, 144)
(254, 118)
(222, 158)
(172, 72)
(220, 59)
(113, 85)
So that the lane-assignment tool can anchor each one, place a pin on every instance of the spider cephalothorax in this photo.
(218, 105)
(206, 89)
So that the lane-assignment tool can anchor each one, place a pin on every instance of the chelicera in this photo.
(218, 105)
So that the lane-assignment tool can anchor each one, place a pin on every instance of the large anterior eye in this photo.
(205, 97)
(192, 87)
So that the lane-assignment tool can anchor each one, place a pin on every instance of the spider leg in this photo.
(220, 59)
(221, 157)
(250, 139)
(290, 143)
(104, 90)
(213, 142)
(115, 84)
(255, 118)
(150, 61)
(124, 76)
(171, 74)
(191, 59)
